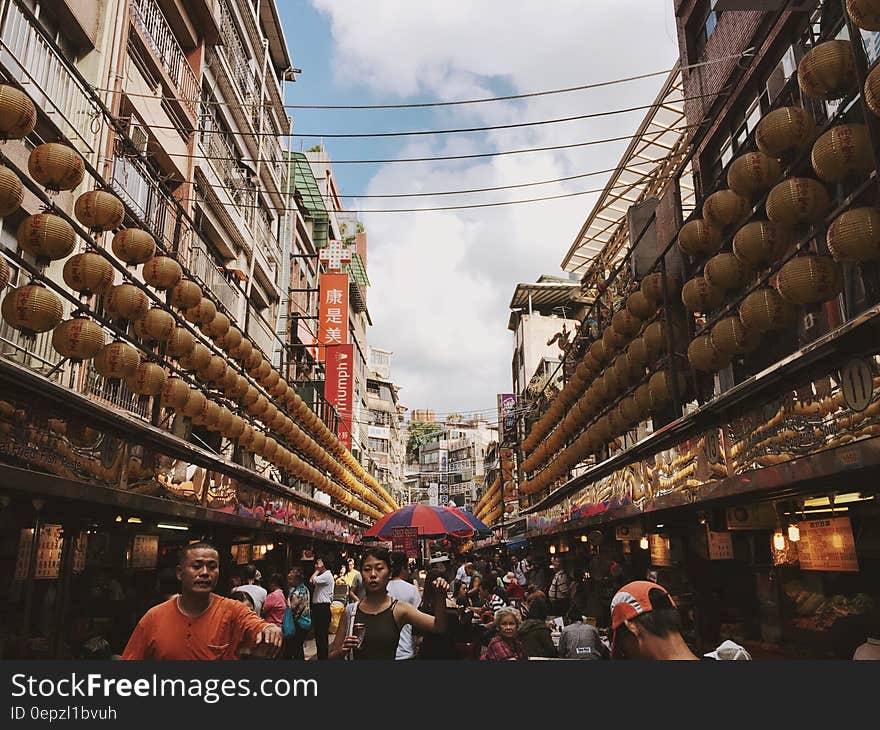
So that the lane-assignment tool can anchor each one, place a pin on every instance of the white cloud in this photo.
(442, 281)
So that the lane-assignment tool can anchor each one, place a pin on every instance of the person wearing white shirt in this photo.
(258, 594)
(400, 588)
(322, 595)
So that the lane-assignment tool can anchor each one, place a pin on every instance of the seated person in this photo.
(534, 632)
(580, 640)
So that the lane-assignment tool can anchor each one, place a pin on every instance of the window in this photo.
(785, 69)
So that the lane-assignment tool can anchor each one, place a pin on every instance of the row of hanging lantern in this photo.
(630, 347)
(33, 308)
(840, 154)
(482, 506)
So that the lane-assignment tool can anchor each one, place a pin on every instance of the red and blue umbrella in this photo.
(431, 522)
(478, 525)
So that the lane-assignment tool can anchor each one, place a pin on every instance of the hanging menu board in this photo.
(24, 553)
(405, 540)
(241, 553)
(720, 546)
(145, 551)
(79, 552)
(661, 552)
(827, 545)
(48, 553)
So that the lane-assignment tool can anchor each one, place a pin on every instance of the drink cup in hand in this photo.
(359, 630)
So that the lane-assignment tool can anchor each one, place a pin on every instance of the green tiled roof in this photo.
(357, 270)
(305, 183)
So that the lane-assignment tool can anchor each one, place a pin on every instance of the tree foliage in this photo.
(418, 434)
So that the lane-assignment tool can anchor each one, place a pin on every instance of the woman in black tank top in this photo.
(382, 615)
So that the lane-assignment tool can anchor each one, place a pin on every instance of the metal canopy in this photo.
(650, 160)
(544, 295)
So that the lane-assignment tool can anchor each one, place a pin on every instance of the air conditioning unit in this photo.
(139, 137)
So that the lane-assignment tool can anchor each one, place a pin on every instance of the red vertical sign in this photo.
(339, 385)
(332, 314)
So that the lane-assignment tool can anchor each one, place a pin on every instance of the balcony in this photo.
(203, 267)
(145, 198)
(148, 18)
(261, 334)
(32, 60)
(237, 58)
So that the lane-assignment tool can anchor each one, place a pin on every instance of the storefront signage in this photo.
(144, 552)
(628, 532)
(49, 548)
(720, 545)
(80, 550)
(857, 381)
(661, 551)
(507, 417)
(332, 313)
(751, 517)
(339, 386)
(241, 553)
(827, 545)
(405, 540)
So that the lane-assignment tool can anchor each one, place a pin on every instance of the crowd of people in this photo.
(517, 610)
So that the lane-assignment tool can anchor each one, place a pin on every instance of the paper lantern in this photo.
(872, 90)
(155, 326)
(32, 308)
(654, 338)
(162, 273)
(864, 13)
(180, 342)
(639, 306)
(203, 313)
(230, 340)
(724, 208)
(197, 358)
(699, 238)
(660, 387)
(259, 442)
(611, 340)
(809, 279)
(699, 295)
(224, 421)
(625, 324)
(764, 310)
(652, 287)
(241, 387)
(48, 237)
(242, 351)
(761, 242)
(126, 301)
(785, 130)
(261, 371)
(134, 246)
(78, 339)
(18, 115)
(828, 71)
(217, 327)
(88, 273)
(148, 379)
(213, 370)
(637, 352)
(99, 210)
(5, 273)
(642, 396)
(196, 405)
(597, 350)
(175, 394)
(259, 407)
(843, 152)
(270, 380)
(855, 235)
(56, 166)
(626, 370)
(116, 361)
(797, 201)
(752, 174)
(703, 356)
(250, 397)
(209, 418)
(235, 428)
(11, 192)
(729, 337)
(630, 411)
(186, 294)
(726, 272)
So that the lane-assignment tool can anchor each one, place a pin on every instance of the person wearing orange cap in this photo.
(646, 624)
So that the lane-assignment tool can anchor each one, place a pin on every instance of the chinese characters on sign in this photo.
(405, 540)
(332, 313)
(720, 545)
(145, 551)
(507, 417)
(827, 545)
(48, 553)
(338, 387)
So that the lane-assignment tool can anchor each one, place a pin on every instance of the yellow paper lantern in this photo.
(699, 238)
(56, 166)
(203, 313)
(148, 379)
(785, 130)
(99, 210)
(864, 13)
(843, 152)
(175, 394)
(698, 295)
(180, 342)
(88, 273)
(18, 115)
(11, 192)
(639, 305)
(126, 301)
(730, 337)
(828, 71)
(78, 339)
(752, 174)
(32, 308)
(855, 235)
(704, 357)
(134, 246)
(48, 237)
(162, 273)
(764, 310)
(724, 208)
(809, 279)
(156, 325)
(761, 242)
(116, 361)
(797, 201)
(197, 358)
(726, 272)
(186, 294)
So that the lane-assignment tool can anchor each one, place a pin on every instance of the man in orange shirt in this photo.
(198, 624)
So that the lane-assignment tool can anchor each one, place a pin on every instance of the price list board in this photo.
(827, 545)
(49, 546)
(145, 551)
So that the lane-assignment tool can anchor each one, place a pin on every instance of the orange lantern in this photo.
(752, 174)
(699, 238)
(11, 192)
(761, 242)
(18, 115)
(809, 279)
(126, 301)
(78, 339)
(724, 208)
(764, 310)
(148, 379)
(32, 308)
(217, 327)
(56, 166)
(48, 237)
(855, 235)
(203, 313)
(163, 273)
(99, 210)
(116, 361)
(843, 152)
(828, 71)
(197, 358)
(156, 325)
(88, 273)
(175, 394)
(186, 294)
(785, 130)
(180, 342)
(725, 271)
(729, 337)
(797, 201)
(864, 13)
(704, 357)
(699, 295)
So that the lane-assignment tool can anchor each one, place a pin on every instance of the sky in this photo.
(442, 281)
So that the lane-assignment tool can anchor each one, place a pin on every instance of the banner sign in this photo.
(405, 540)
(827, 545)
(338, 388)
(507, 417)
(332, 313)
